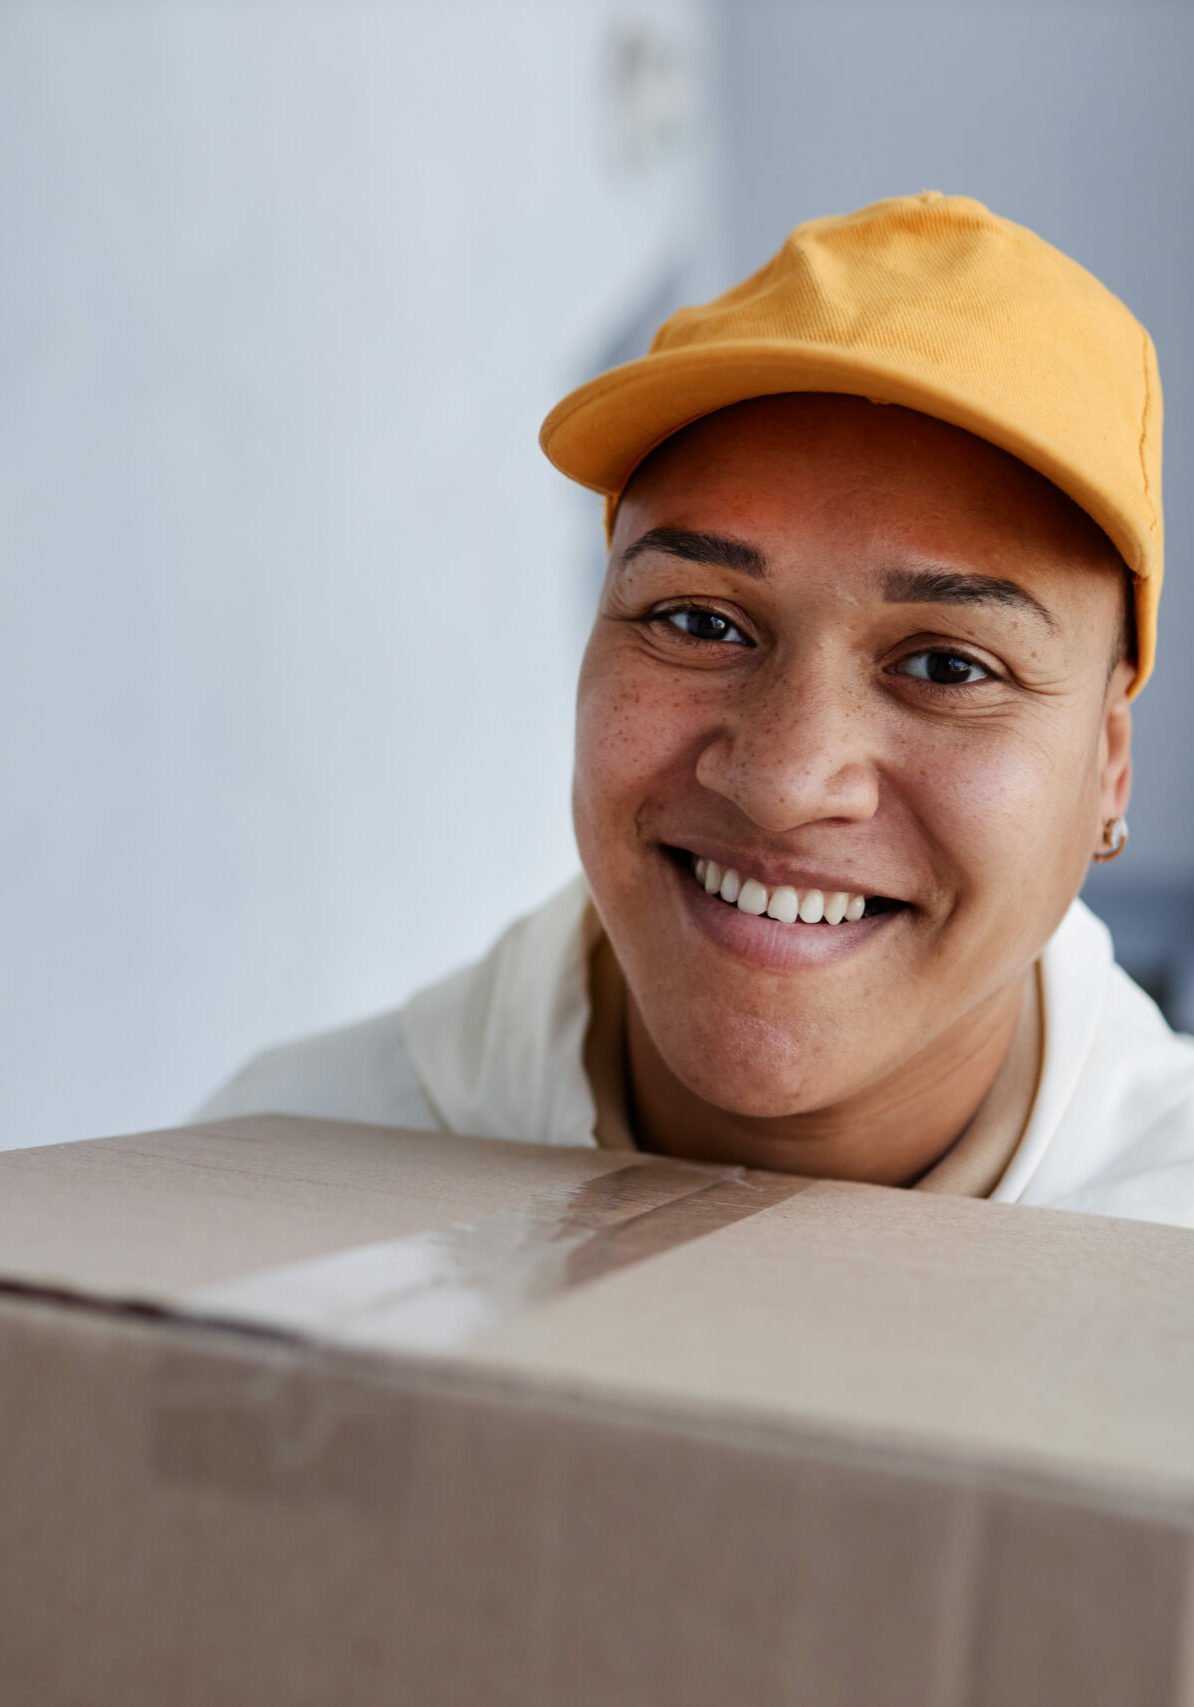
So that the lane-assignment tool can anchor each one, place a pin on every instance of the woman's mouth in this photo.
(783, 902)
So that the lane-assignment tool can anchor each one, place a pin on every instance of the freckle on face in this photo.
(982, 823)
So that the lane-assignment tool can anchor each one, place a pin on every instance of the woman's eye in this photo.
(944, 669)
(701, 624)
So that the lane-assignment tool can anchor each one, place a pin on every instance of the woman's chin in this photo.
(754, 1077)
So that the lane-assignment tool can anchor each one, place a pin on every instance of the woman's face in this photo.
(844, 648)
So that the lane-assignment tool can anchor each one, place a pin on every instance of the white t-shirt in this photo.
(497, 1050)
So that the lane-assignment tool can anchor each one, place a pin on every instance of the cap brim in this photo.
(600, 433)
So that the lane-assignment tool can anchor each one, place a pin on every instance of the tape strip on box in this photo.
(436, 1290)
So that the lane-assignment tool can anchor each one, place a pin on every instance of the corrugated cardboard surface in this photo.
(851, 1446)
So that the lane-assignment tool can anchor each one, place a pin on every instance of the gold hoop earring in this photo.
(1115, 840)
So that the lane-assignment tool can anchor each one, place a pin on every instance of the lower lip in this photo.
(768, 943)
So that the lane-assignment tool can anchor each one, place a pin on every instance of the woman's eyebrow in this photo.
(952, 587)
(715, 549)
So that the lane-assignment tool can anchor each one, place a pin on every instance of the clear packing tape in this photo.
(433, 1291)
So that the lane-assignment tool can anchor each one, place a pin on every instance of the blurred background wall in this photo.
(290, 605)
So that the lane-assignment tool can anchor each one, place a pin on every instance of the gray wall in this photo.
(291, 604)
(1072, 118)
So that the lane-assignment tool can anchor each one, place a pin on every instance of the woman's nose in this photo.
(796, 750)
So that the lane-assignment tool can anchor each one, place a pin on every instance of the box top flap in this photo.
(961, 1327)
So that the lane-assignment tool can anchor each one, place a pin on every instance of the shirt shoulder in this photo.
(494, 1050)
(1124, 1140)
(1144, 1086)
(361, 1072)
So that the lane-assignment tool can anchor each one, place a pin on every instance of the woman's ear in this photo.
(1115, 744)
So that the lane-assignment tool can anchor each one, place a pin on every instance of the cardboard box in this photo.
(294, 1412)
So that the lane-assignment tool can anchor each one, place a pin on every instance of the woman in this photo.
(885, 552)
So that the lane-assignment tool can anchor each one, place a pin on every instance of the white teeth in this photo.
(752, 897)
(812, 906)
(783, 905)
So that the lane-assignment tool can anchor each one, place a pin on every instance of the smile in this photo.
(784, 903)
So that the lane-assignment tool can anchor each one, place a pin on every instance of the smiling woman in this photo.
(849, 651)
(854, 717)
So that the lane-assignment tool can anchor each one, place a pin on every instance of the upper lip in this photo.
(773, 872)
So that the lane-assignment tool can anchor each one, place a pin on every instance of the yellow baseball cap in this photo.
(934, 302)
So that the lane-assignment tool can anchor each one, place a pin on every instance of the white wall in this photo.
(1070, 116)
(291, 605)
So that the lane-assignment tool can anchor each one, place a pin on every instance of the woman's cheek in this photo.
(613, 747)
(629, 726)
(1000, 810)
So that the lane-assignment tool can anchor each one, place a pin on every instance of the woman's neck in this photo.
(890, 1133)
